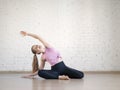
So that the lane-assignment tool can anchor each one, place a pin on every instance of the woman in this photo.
(58, 69)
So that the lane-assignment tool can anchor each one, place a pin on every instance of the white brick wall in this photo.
(86, 32)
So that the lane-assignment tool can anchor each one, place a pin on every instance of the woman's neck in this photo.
(43, 50)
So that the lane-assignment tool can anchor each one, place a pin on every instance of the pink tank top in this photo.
(51, 56)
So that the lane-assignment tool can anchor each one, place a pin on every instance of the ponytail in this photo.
(35, 64)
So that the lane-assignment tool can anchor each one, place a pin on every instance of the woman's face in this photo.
(37, 48)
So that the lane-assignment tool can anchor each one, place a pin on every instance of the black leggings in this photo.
(60, 69)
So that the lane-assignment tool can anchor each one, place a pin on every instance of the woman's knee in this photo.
(81, 75)
(48, 74)
(41, 73)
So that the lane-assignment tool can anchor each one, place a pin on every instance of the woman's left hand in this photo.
(23, 33)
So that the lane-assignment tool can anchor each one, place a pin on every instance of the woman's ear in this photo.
(38, 52)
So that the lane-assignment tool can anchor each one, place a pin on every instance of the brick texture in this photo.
(86, 32)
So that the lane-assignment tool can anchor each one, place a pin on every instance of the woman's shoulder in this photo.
(50, 48)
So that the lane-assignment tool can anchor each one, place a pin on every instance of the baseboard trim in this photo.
(97, 72)
(14, 72)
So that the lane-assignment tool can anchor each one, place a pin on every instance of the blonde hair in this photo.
(35, 65)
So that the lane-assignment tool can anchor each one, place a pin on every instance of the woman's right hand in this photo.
(28, 76)
(23, 33)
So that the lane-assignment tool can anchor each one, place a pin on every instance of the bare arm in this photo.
(30, 75)
(36, 37)
(42, 64)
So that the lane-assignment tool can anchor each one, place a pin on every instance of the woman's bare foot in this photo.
(63, 77)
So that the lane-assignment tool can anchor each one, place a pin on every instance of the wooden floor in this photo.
(91, 81)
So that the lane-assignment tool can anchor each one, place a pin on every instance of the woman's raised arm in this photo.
(36, 37)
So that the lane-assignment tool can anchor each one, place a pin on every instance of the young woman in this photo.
(58, 69)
